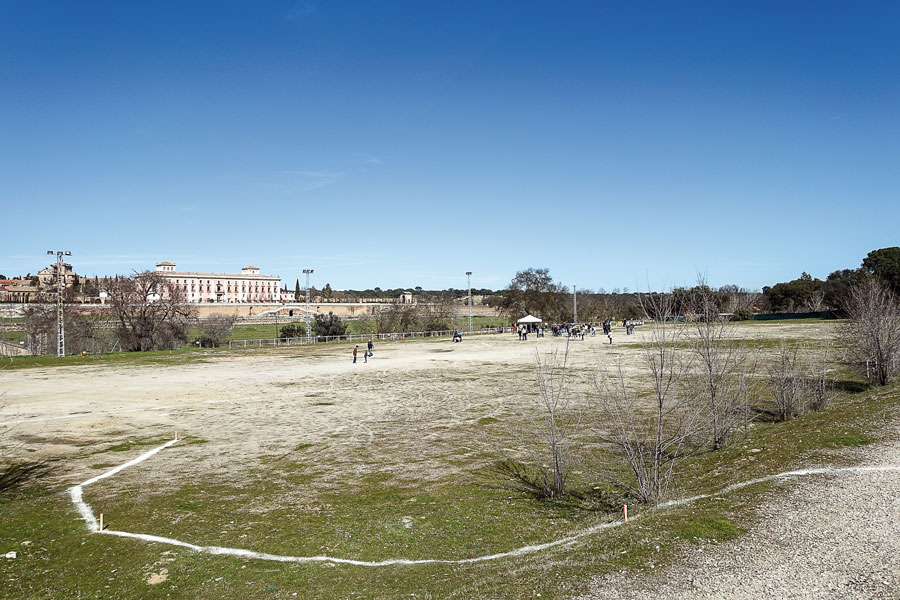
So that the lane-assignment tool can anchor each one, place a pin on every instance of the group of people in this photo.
(576, 330)
(524, 330)
(607, 329)
(370, 347)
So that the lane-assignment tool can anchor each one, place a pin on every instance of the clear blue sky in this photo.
(404, 143)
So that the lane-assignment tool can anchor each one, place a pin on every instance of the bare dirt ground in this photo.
(403, 410)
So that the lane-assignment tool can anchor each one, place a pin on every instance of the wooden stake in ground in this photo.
(625, 510)
(101, 521)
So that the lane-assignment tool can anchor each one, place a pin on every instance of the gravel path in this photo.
(823, 537)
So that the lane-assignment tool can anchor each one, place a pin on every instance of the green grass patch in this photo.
(138, 443)
(103, 465)
(706, 529)
(13, 337)
(127, 359)
(848, 440)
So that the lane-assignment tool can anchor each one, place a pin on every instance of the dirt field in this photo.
(301, 452)
(402, 410)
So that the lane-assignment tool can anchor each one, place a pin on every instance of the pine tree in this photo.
(297, 290)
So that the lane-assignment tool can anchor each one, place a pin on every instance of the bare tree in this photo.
(40, 324)
(821, 387)
(735, 299)
(872, 335)
(432, 316)
(651, 442)
(786, 383)
(150, 312)
(720, 383)
(436, 316)
(551, 433)
(816, 302)
(215, 330)
(396, 318)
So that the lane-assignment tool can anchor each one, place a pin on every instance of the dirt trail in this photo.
(822, 537)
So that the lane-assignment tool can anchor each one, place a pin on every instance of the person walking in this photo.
(371, 347)
(355, 350)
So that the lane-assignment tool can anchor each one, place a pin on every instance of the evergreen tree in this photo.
(297, 290)
(329, 325)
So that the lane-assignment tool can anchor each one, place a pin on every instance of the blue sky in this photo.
(405, 143)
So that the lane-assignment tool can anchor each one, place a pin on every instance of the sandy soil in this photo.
(405, 410)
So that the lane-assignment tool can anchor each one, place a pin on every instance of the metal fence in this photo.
(356, 337)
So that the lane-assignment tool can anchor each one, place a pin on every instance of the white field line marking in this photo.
(75, 491)
(88, 515)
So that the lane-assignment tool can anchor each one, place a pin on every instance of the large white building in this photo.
(249, 286)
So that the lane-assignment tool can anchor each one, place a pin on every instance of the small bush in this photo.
(330, 324)
(293, 330)
(743, 314)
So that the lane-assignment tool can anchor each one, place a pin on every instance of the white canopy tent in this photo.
(530, 322)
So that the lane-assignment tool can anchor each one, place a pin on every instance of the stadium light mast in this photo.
(306, 318)
(469, 280)
(574, 304)
(60, 290)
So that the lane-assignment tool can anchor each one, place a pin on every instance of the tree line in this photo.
(810, 294)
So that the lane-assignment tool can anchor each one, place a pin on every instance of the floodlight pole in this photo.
(306, 318)
(60, 290)
(575, 304)
(469, 280)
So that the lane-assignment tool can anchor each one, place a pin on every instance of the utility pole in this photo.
(60, 291)
(469, 280)
(575, 304)
(306, 318)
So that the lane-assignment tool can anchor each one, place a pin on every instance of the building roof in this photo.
(250, 267)
(165, 263)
